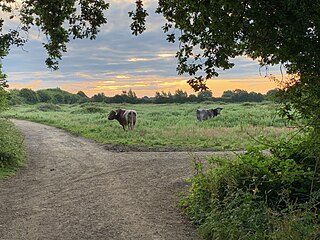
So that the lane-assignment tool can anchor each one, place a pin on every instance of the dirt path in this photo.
(73, 188)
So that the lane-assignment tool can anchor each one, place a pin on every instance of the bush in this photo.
(48, 107)
(256, 196)
(88, 108)
(12, 153)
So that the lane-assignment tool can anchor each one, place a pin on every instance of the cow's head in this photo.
(112, 115)
(219, 109)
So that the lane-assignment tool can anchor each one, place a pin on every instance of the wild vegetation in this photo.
(170, 125)
(12, 153)
(256, 196)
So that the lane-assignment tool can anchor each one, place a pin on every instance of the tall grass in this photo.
(170, 125)
(12, 152)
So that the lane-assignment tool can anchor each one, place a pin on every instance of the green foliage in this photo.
(89, 108)
(46, 107)
(257, 196)
(239, 95)
(12, 152)
(138, 17)
(14, 98)
(205, 95)
(59, 21)
(272, 95)
(3, 99)
(29, 95)
(3, 92)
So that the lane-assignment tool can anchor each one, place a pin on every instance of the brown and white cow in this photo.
(204, 114)
(124, 117)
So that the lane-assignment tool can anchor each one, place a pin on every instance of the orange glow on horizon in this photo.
(217, 86)
(148, 87)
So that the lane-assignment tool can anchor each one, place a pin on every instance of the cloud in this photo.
(122, 77)
(137, 59)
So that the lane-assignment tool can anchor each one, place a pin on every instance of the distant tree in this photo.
(58, 99)
(180, 96)
(227, 94)
(192, 98)
(163, 97)
(29, 96)
(82, 97)
(146, 99)
(255, 97)
(82, 94)
(240, 95)
(130, 96)
(44, 96)
(205, 95)
(100, 97)
(14, 98)
(271, 95)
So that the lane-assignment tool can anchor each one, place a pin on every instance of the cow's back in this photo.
(131, 118)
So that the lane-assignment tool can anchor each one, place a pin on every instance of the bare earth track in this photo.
(73, 188)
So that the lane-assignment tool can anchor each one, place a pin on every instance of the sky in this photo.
(117, 61)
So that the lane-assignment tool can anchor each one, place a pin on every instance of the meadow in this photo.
(164, 125)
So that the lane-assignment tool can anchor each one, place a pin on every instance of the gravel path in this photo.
(73, 188)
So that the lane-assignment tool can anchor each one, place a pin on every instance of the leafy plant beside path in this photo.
(259, 197)
(12, 151)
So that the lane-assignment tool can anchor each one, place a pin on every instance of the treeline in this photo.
(58, 96)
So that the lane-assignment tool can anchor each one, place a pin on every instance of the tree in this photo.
(180, 96)
(29, 95)
(83, 97)
(59, 20)
(205, 95)
(271, 95)
(44, 96)
(100, 97)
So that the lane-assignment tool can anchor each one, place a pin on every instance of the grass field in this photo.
(169, 125)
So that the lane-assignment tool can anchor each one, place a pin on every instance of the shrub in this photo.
(12, 152)
(92, 109)
(48, 107)
(256, 196)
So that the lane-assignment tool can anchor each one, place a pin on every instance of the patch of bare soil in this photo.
(74, 188)
(127, 148)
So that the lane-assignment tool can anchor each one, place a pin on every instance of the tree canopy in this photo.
(59, 20)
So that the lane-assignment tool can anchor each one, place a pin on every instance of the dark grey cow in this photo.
(204, 114)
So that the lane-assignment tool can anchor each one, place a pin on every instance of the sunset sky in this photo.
(118, 61)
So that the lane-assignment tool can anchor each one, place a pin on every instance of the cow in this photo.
(126, 118)
(204, 114)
